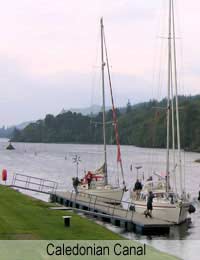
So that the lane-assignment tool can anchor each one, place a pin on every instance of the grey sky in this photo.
(48, 53)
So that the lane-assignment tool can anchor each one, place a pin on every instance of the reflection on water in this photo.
(54, 162)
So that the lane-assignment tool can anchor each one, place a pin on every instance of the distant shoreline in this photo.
(142, 147)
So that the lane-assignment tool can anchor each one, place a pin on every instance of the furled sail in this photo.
(100, 170)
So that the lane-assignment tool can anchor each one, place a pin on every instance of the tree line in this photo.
(142, 125)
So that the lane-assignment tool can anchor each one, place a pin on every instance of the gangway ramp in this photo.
(35, 184)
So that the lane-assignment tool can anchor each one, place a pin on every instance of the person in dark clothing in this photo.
(138, 185)
(150, 198)
(137, 189)
(75, 182)
(89, 179)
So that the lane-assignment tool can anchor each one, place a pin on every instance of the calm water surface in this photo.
(54, 162)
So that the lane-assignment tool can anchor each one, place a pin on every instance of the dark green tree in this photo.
(128, 107)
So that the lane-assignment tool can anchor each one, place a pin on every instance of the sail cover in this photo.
(100, 170)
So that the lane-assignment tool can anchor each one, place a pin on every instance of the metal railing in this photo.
(34, 183)
(105, 205)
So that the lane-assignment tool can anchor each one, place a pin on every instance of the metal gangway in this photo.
(35, 184)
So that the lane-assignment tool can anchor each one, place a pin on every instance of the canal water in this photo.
(55, 162)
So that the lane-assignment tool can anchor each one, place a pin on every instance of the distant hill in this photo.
(23, 125)
(92, 110)
(142, 125)
(7, 132)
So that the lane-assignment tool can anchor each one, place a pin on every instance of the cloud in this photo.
(48, 49)
(29, 98)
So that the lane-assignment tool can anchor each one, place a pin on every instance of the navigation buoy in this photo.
(4, 175)
(10, 147)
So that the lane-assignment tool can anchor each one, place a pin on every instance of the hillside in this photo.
(94, 109)
(7, 132)
(142, 125)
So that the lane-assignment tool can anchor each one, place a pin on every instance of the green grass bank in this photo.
(23, 217)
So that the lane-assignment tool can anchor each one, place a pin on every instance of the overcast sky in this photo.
(49, 53)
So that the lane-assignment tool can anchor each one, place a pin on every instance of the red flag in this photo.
(118, 154)
(116, 134)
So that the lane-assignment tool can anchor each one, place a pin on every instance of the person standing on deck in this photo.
(137, 189)
(150, 198)
(75, 182)
(89, 179)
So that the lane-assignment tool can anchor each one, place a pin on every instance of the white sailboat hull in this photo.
(108, 195)
(176, 213)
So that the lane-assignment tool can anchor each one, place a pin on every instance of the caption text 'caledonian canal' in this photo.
(95, 250)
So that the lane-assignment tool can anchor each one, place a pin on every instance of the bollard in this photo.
(67, 221)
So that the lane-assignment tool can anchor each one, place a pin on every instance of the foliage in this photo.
(142, 125)
(128, 107)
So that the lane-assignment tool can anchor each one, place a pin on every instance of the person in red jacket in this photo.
(89, 179)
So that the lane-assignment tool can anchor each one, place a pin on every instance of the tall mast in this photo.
(168, 99)
(119, 159)
(173, 133)
(177, 105)
(103, 97)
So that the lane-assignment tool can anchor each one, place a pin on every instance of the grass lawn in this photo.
(25, 218)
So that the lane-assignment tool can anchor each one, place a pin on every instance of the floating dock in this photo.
(114, 214)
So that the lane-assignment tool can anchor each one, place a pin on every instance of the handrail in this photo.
(29, 182)
(95, 202)
(89, 201)
(111, 200)
(109, 207)
(113, 211)
(41, 184)
(33, 177)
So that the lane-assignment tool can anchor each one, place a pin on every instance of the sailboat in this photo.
(96, 182)
(170, 203)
